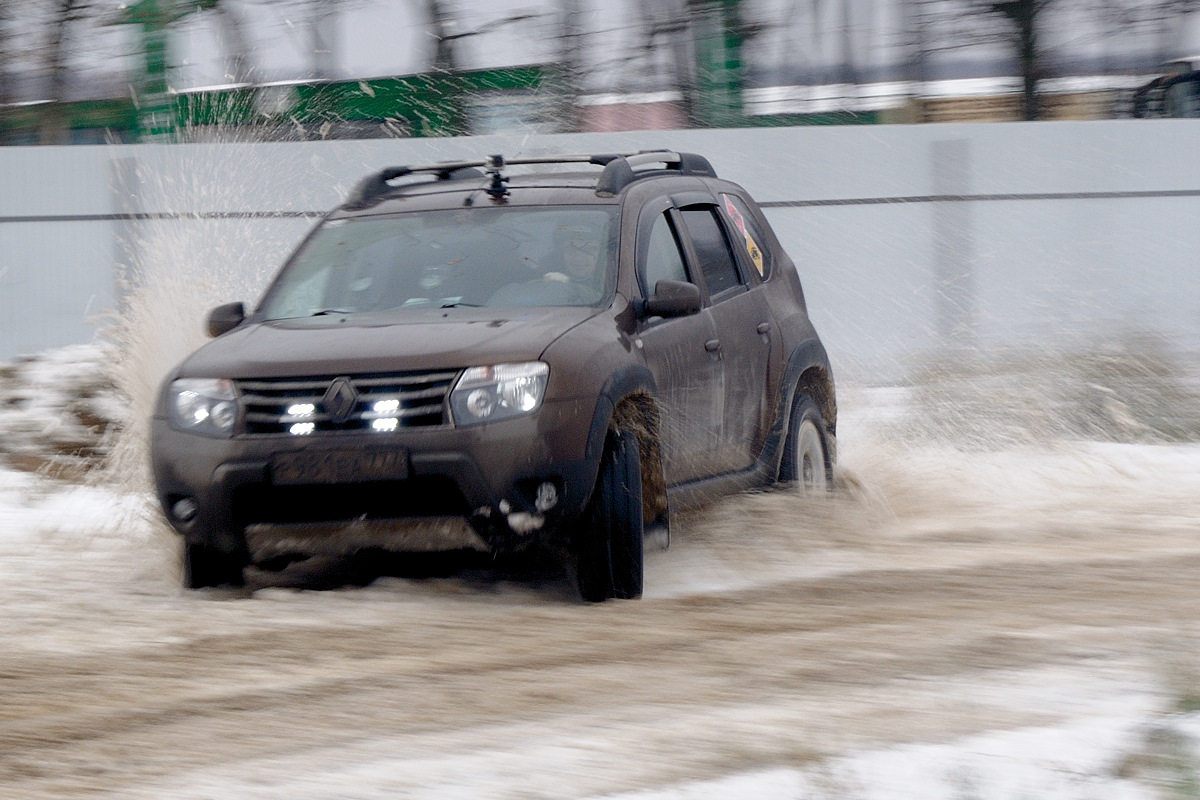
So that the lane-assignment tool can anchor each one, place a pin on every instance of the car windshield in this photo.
(494, 257)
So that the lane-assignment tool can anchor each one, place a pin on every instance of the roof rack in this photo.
(620, 170)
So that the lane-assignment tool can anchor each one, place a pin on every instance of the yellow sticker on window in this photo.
(739, 222)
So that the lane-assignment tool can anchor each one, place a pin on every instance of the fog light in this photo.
(301, 410)
(547, 497)
(185, 510)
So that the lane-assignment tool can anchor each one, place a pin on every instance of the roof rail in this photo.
(373, 187)
(620, 169)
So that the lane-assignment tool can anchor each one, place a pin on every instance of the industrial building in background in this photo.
(599, 67)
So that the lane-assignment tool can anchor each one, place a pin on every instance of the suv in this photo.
(461, 356)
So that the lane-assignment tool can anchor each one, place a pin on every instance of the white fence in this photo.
(907, 238)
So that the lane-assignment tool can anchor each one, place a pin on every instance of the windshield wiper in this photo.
(325, 311)
(462, 305)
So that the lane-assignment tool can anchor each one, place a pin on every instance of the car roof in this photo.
(556, 180)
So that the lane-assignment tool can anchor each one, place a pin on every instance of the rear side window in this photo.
(749, 234)
(664, 262)
(712, 248)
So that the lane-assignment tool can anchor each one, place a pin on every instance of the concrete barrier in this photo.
(907, 238)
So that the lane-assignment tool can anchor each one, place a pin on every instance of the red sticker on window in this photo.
(739, 222)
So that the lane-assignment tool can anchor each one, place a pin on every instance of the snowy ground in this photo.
(1001, 606)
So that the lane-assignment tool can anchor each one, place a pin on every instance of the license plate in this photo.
(339, 466)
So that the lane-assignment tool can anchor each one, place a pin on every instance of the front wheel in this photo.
(205, 566)
(611, 550)
(806, 455)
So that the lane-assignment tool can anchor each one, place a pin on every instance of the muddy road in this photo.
(942, 593)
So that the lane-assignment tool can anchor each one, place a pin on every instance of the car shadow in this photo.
(538, 570)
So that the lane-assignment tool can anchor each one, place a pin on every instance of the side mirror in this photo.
(672, 299)
(223, 319)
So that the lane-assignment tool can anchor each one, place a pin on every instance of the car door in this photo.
(756, 262)
(744, 338)
(680, 352)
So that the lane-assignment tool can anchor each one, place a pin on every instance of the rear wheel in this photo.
(205, 566)
(610, 553)
(805, 462)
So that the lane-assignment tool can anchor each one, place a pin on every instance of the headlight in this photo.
(487, 394)
(206, 406)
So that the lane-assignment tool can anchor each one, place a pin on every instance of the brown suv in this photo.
(465, 355)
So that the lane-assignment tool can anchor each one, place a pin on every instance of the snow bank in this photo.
(59, 410)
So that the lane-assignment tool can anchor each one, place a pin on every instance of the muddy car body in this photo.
(423, 374)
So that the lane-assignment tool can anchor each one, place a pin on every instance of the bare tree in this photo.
(7, 51)
(569, 77)
(916, 43)
(8, 92)
(440, 29)
(1021, 23)
(1025, 19)
(667, 31)
(941, 25)
(54, 127)
(239, 66)
(446, 31)
(231, 27)
(849, 72)
(1160, 21)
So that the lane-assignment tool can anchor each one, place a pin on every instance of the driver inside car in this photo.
(576, 276)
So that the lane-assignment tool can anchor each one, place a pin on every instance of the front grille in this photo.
(300, 405)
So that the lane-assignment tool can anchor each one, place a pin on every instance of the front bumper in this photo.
(493, 476)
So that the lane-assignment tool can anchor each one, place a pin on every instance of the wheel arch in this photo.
(817, 384)
(807, 374)
(628, 402)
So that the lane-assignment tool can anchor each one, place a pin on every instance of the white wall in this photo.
(1069, 230)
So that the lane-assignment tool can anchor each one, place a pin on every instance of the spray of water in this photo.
(1134, 388)
(187, 267)
(183, 259)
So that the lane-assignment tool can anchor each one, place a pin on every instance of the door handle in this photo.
(763, 327)
(712, 345)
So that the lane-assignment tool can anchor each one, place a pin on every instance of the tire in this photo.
(610, 553)
(805, 463)
(205, 566)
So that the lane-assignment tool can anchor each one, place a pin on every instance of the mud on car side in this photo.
(488, 355)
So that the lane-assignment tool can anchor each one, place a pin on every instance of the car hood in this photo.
(363, 343)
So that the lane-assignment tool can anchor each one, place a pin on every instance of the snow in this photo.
(1078, 761)
(94, 548)
(54, 407)
(1073, 761)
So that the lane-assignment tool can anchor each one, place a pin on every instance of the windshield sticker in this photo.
(740, 223)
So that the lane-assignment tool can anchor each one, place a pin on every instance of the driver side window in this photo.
(664, 261)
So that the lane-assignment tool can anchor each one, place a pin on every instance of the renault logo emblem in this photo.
(340, 400)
